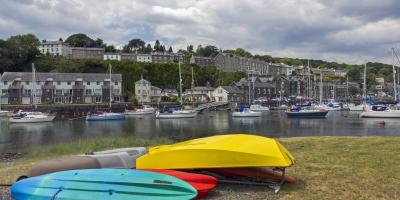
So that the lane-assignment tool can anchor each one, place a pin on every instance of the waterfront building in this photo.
(260, 88)
(128, 56)
(59, 88)
(201, 94)
(231, 94)
(54, 48)
(145, 92)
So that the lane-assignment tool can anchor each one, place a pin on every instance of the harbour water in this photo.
(19, 137)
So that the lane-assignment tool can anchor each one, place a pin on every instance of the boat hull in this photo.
(316, 114)
(202, 183)
(102, 184)
(3, 113)
(176, 115)
(105, 117)
(32, 120)
(380, 114)
(237, 150)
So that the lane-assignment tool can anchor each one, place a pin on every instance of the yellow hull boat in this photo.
(222, 151)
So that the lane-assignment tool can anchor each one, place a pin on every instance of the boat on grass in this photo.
(380, 111)
(116, 184)
(297, 112)
(222, 151)
(202, 183)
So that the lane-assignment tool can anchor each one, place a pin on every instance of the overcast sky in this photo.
(335, 30)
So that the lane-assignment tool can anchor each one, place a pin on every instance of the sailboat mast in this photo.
(248, 81)
(347, 89)
(110, 88)
(33, 92)
(394, 77)
(180, 80)
(320, 88)
(365, 84)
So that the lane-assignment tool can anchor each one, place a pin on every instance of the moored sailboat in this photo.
(103, 116)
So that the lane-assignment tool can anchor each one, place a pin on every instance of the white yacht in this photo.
(257, 107)
(32, 117)
(146, 110)
(380, 112)
(246, 112)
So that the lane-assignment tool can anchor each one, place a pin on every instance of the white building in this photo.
(143, 58)
(230, 94)
(54, 48)
(146, 93)
(112, 56)
(199, 94)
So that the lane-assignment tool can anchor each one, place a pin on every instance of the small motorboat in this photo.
(380, 111)
(104, 116)
(103, 184)
(258, 108)
(297, 112)
(246, 112)
(146, 110)
(31, 117)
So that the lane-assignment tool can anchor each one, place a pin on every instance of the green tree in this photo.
(170, 50)
(157, 46)
(134, 45)
(207, 51)
(243, 53)
(82, 40)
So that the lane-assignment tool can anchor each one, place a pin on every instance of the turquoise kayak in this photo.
(102, 184)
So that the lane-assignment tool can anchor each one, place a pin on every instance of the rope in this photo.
(55, 194)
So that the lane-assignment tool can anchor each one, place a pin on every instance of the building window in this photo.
(98, 99)
(26, 82)
(116, 83)
(69, 83)
(58, 82)
(88, 92)
(138, 91)
(88, 83)
(70, 92)
(116, 99)
(98, 83)
(5, 82)
(58, 92)
(4, 91)
(58, 100)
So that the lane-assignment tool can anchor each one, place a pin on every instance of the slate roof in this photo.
(232, 89)
(142, 81)
(202, 88)
(63, 77)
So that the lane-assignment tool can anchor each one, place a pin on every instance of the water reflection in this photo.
(271, 124)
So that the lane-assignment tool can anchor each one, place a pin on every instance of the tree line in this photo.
(17, 52)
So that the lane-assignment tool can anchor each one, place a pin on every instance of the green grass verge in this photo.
(326, 167)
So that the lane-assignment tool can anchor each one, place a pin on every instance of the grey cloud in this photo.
(302, 28)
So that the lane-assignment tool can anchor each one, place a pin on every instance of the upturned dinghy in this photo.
(116, 158)
(202, 183)
(115, 184)
(236, 150)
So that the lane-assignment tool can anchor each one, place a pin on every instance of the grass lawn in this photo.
(326, 167)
